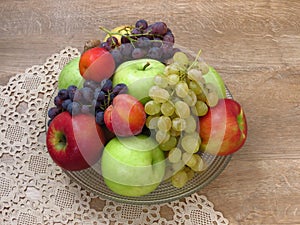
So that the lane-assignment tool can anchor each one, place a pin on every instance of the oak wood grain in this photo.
(255, 46)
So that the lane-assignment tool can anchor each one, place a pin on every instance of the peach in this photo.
(125, 116)
(96, 64)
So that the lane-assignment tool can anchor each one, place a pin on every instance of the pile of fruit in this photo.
(142, 110)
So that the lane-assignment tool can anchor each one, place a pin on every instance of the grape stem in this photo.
(132, 40)
(196, 59)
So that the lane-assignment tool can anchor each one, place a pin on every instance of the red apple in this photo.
(125, 116)
(74, 142)
(96, 64)
(223, 130)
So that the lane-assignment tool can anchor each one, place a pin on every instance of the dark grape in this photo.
(53, 112)
(112, 42)
(87, 94)
(66, 103)
(148, 30)
(100, 117)
(124, 39)
(74, 108)
(126, 49)
(96, 92)
(49, 122)
(169, 38)
(138, 53)
(141, 24)
(107, 87)
(95, 104)
(155, 53)
(120, 89)
(157, 42)
(85, 109)
(91, 84)
(159, 28)
(105, 45)
(111, 97)
(78, 97)
(136, 44)
(167, 50)
(100, 96)
(143, 42)
(117, 56)
(58, 101)
(136, 31)
(63, 94)
(71, 91)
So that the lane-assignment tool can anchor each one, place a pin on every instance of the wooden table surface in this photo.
(255, 46)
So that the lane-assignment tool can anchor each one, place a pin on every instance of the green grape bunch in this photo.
(179, 96)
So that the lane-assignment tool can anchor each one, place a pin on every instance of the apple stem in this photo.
(146, 65)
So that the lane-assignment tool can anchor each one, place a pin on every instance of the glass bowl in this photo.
(92, 180)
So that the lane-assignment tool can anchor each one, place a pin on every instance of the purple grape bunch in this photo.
(93, 98)
(154, 41)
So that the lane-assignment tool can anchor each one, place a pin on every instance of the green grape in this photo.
(194, 65)
(168, 145)
(210, 87)
(162, 136)
(186, 157)
(181, 59)
(195, 75)
(179, 179)
(175, 133)
(202, 96)
(182, 109)
(164, 123)
(181, 89)
(173, 79)
(177, 166)
(203, 67)
(189, 159)
(174, 99)
(174, 155)
(193, 162)
(178, 124)
(200, 164)
(152, 107)
(151, 122)
(173, 68)
(191, 98)
(191, 124)
(200, 108)
(167, 108)
(212, 99)
(158, 94)
(196, 87)
(161, 81)
(190, 173)
(191, 142)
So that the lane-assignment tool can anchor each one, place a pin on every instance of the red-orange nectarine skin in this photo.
(96, 64)
(126, 116)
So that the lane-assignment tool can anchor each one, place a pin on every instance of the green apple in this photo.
(213, 77)
(70, 75)
(138, 76)
(132, 166)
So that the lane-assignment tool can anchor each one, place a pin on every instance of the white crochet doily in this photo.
(33, 190)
